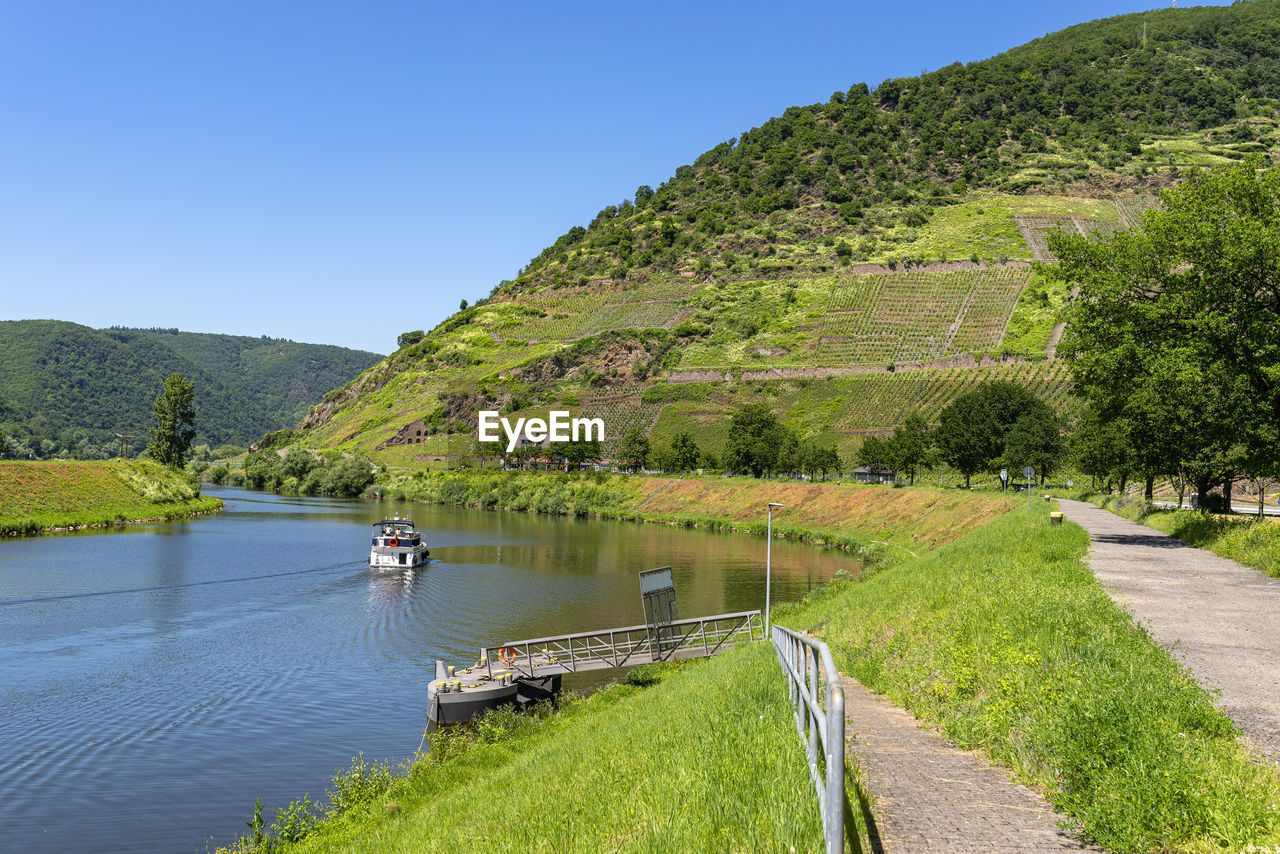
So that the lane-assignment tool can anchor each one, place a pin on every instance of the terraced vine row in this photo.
(882, 401)
(574, 314)
(621, 410)
(1036, 229)
(917, 316)
(1131, 210)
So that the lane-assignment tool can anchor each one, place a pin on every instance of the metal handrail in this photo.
(821, 731)
(629, 645)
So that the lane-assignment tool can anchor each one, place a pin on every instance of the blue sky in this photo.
(342, 172)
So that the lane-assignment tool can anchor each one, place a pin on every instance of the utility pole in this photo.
(768, 566)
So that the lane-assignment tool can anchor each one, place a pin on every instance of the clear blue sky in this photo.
(342, 172)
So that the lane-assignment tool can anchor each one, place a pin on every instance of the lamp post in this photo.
(768, 566)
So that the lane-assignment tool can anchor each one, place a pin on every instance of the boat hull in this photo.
(398, 557)
(455, 701)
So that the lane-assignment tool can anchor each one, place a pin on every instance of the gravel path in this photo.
(930, 797)
(1221, 619)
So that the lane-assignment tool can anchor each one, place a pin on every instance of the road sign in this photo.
(1004, 474)
(1028, 471)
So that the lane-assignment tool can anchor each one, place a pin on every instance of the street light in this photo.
(768, 566)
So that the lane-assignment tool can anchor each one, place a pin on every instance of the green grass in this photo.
(40, 496)
(974, 228)
(702, 757)
(1248, 540)
(1062, 206)
(1006, 643)
(1038, 311)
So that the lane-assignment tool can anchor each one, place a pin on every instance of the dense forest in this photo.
(68, 390)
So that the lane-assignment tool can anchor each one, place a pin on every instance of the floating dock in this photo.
(524, 671)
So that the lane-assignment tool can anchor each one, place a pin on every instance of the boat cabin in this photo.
(396, 543)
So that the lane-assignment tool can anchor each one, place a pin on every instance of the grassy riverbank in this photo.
(1005, 641)
(875, 521)
(37, 497)
(1245, 539)
(702, 757)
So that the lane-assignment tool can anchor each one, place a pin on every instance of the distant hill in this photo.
(285, 377)
(67, 387)
(847, 263)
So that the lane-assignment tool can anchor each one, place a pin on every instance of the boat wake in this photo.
(97, 593)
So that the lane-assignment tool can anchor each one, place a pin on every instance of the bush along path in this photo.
(1221, 619)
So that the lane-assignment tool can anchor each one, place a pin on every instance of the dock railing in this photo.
(821, 730)
(627, 646)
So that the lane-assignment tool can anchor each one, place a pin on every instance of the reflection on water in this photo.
(155, 681)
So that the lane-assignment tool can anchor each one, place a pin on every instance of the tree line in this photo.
(1174, 337)
(996, 425)
(303, 472)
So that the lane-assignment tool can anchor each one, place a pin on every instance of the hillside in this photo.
(847, 263)
(66, 387)
(285, 377)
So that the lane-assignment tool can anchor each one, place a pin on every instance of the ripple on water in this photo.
(153, 683)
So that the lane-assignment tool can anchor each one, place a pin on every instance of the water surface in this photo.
(155, 680)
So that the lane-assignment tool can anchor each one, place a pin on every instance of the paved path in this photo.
(1221, 619)
(930, 797)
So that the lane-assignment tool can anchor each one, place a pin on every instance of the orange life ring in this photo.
(393, 542)
(507, 655)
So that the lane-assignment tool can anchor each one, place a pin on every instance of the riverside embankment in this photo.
(1000, 638)
(47, 496)
(876, 522)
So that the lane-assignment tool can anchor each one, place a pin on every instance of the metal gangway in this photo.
(698, 637)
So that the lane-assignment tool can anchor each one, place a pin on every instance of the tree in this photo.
(175, 422)
(1100, 448)
(1176, 326)
(1036, 440)
(755, 437)
(404, 339)
(4, 445)
(819, 459)
(581, 452)
(968, 435)
(685, 453)
(634, 449)
(873, 454)
(974, 429)
(908, 448)
(297, 463)
(259, 470)
(789, 453)
(462, 306)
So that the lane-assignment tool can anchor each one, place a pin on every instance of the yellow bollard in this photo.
(1055, 518)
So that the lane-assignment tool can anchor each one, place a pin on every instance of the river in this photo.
(155, 680)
